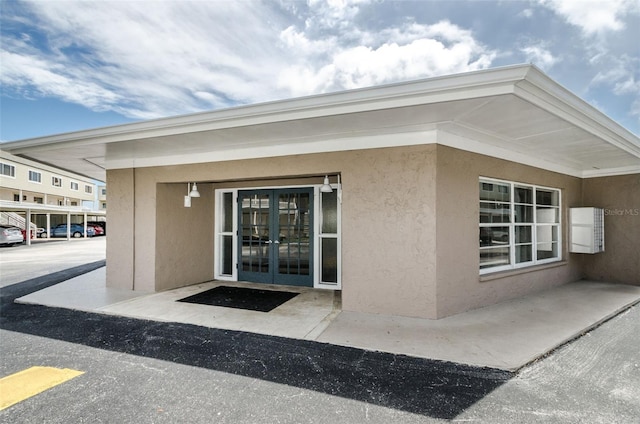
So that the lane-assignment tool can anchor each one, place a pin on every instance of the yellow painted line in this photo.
(17, 387)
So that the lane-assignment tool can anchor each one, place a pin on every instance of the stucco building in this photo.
(443, 195)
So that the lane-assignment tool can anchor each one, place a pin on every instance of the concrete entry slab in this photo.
(508, 335)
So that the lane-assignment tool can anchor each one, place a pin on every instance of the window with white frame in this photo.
(74, 186)
(7, 170)
(329, 238)
(35, 176)
(225, 238)
(88, 189)
(56, 181)
(519, 225)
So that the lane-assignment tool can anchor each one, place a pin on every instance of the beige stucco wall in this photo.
(620, 197)
(409, 226)
(184, 236)
(459, 286)
(120, 241)
(388, 223)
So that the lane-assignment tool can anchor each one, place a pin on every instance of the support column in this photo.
(27, 223)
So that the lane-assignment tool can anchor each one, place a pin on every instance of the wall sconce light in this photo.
(326, 187)
(194, 191)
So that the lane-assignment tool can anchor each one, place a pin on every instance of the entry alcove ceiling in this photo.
(515, 113)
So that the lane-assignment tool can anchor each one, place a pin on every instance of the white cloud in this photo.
(593, 16)
(148, 60)
(539, 56)
(413, 51)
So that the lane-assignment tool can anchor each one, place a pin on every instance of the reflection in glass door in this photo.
(276, 231)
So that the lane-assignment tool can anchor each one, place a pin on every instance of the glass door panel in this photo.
(255, 229)
(276, 228)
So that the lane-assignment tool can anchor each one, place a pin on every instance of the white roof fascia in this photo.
(433, 90)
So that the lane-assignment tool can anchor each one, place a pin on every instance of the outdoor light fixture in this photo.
(194, 191)
(326, 187)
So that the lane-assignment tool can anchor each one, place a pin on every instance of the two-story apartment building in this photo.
(54, 195)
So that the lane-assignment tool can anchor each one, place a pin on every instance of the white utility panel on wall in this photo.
(587, 230)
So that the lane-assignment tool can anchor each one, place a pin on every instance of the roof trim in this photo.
(468, 85)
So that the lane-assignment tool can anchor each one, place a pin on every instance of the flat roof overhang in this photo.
(515, 113)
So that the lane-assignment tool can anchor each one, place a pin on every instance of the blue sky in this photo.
(73, 65)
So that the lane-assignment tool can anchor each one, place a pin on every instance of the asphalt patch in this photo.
(241, 298)
(432, 388)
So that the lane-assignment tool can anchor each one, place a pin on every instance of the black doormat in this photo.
(241, 298)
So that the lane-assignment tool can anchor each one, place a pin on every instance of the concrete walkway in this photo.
(506, 336)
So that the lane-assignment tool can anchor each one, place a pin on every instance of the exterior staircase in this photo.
(12, 218)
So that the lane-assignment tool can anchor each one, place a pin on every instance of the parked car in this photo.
(10, 235)
(101, 224)
(77, 231)
(41, 232)
(99, 230)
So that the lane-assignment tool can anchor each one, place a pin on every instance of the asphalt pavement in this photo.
(153, 372)
(44, 257)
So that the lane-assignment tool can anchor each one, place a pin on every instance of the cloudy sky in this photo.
(72, 65)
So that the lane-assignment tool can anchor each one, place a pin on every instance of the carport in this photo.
(29, 209)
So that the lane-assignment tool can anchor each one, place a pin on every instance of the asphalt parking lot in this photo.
(43, 257)
(143, 371)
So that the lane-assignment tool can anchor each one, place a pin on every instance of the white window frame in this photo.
(512, 224)
(319, 236)
(88, 189)
(55, 179)
(73, 185)
(11, 168)
(218, 234)
(34, 172)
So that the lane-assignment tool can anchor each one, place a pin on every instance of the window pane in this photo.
(495, 191)
(546, 235)
(227, 208)
(494, 257)
(227, 253)
(552, 252)
(330, 212)
(523, 195)
(524, 253)
(524, 213)
(546, 215)
(494, 212)
(547, 197)
(494, 236)
(329, 260)
(523, 234)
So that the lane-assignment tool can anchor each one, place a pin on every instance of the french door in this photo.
(275, 231)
